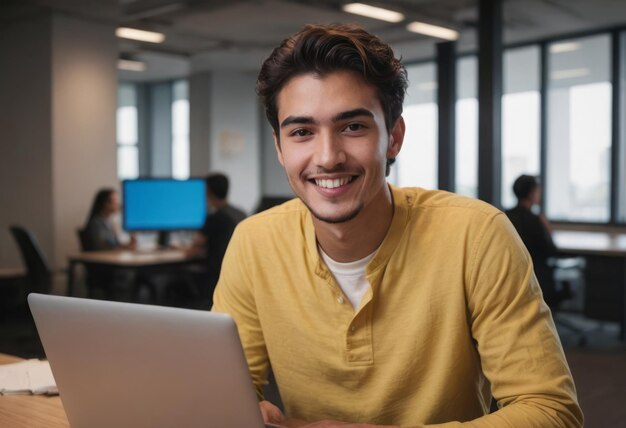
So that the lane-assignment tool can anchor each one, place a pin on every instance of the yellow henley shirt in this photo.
(453, 315)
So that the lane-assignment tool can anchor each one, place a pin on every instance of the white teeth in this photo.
(331, 184)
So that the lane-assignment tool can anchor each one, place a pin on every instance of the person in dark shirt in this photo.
(218, 228)
(535, 231)
(217, 186)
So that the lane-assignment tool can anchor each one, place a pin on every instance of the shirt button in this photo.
(340, 300)
(353, 328)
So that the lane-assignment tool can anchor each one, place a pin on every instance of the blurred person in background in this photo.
(101, 231)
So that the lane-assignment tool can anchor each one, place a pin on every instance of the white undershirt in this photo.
(350, 276)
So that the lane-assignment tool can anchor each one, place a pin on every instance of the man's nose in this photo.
(329, 151)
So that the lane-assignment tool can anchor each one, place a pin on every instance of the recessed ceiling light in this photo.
(564, 47)
(373, 12)
(433, 30)
(141, 35)
(570, 73)
(130, 65)
(427, 86)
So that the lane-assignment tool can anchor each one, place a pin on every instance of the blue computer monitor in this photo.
(156, 204)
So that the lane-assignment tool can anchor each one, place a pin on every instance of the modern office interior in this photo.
(497, 88)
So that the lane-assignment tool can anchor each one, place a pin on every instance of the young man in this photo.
(218, 228)
(535, 232)
(377, 305)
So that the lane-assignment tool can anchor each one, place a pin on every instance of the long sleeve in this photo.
(519, 349)
(534, 233)
(234, 295)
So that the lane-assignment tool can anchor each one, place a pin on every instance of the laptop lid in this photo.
(130, 365)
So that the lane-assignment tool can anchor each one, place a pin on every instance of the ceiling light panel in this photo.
(570, 73)
(130, 65)
(564, 47)
(373, 12)
(141, 35)
(433, 31)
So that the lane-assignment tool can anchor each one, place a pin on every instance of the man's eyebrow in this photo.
(308, 120)
(301, 120)
(352, 113)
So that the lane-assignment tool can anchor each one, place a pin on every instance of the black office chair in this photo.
(102, 279)
(565, 272)
(83, 238)
(22, 337)
(13, 291)
(38, 275)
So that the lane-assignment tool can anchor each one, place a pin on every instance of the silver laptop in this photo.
(129, 365)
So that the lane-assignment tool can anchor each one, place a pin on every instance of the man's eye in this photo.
(353, 127)
(300, 133)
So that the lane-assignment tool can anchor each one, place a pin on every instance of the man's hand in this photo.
(334, 424)
(273, 415)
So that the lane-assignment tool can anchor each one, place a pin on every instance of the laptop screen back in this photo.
(130, 365)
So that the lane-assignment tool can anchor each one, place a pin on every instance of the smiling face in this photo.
(334, 144)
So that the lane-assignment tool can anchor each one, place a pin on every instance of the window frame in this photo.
(617, 54)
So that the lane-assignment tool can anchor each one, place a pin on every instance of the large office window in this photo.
(521, 117)
(466, 163)
(127, 133)
(180, 130)
(417, 162)
(578, 165)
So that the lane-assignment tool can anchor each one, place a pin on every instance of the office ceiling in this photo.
(238, 34)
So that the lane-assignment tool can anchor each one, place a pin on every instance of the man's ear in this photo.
(279, 152)
(396, 138)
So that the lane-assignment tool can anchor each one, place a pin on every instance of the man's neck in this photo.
(359, 237)
(526, 203)
(218, 204)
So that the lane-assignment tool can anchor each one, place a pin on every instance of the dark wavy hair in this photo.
(217, 184)
(99, 202)
(323, 49)
(524, 185)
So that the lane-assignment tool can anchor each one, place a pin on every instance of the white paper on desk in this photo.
(27, 377)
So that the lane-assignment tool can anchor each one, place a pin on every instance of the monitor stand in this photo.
(164, 239)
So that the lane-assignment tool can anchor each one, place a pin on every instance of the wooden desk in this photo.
(137, 261)
(30, 411)
(585, 243)
(605, 275)
(12, 273)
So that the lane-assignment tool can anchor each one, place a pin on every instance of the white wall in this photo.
(235, 135)
(199, 115)
(229, 133)
(84, 100)
(57, 114)
(25, 124)
(274, 179)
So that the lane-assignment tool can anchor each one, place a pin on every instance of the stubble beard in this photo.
(335, 220)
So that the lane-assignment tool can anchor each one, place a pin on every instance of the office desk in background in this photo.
(605, 274)
(30, 411)
(11, 273)
(140, 262)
